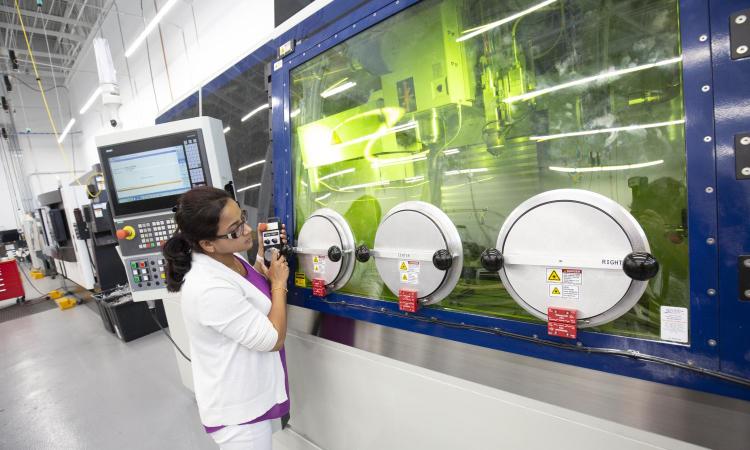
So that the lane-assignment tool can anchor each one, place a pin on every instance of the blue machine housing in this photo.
(718, 207)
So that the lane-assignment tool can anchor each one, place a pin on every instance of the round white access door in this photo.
(325, 248)
(417, 247)
(566, 248)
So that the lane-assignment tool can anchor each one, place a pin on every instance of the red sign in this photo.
(563, 315)
(563, 330)
(407, 300)
(319, 287)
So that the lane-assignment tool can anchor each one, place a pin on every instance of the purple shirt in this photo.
(280, 409)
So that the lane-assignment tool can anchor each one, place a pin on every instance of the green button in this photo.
(137, 279)
(134, 265)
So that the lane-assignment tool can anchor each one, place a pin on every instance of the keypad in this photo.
(155, 234)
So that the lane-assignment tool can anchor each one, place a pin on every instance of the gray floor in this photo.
(66, 383)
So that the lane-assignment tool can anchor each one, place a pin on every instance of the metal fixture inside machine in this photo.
(572, 248)
(417, 247)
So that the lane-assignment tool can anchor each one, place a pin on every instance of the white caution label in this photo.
(555, 291)
(409, 278)
(572, 276)
(674, 324)
(570, 291)
(554, 275)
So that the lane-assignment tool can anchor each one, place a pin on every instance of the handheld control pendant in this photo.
(270, 235)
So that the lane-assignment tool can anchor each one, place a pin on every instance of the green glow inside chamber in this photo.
(451, 103)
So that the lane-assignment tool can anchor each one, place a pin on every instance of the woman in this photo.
(235, 316)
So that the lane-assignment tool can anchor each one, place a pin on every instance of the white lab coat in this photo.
(237, 377)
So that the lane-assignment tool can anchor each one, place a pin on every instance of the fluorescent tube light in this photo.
(90, 101)
(253, 164)
(468, 34)
(337, 89)
(403, 127)
(465, 171)
(255, 111)
(226, 130)
(414, 179)
(365, 185)
(601, 76)
(248, 187)
(607, 130)
(323, 197)
(398, 161)
(66, 131)
(606, 168)
(295, 113)
(451, 151)
(150, 27)
(336, 174)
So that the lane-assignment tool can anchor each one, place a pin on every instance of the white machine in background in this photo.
(146, 170)
(82, 271)
(32, 231)
(63, 243)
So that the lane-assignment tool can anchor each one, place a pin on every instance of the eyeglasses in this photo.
(237, 231)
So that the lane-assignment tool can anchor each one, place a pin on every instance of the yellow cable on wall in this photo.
(44, 99)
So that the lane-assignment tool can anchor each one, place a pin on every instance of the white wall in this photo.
(201, 38)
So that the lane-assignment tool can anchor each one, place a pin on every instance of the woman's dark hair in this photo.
(197, 216)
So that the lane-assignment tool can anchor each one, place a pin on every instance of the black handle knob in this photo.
(492, 260)
(442, 259)
(640, 266)
(362, 253)
(287, 251)
(334, 253)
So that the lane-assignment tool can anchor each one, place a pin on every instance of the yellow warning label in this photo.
(554, 276)
(299, 279)
(403, 266)
(316, 259)
(404, 277)
(555, 291)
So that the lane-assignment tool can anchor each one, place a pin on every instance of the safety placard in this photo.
(563, 330)
(319, 287)
(407, 300)
(572, 276)
(299, 279)
(319, 264)
(409, 271)
(555, 290)
(564, 315)
(570, 291)
(553, 276)
(674, 324)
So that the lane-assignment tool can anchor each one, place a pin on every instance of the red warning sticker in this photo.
(563, 315)
(407, 300)
(319, 287)
(563, 330)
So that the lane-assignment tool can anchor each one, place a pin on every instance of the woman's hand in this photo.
(278, 273)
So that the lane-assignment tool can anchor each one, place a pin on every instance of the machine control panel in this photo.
(147, 272)
(144, 235)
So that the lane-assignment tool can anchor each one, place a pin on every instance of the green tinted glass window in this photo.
(476, 106)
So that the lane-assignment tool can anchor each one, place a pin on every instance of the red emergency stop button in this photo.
(126, 232)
